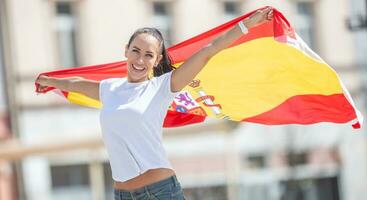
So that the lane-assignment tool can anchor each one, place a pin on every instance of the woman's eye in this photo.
(136, 51)
(149, 55)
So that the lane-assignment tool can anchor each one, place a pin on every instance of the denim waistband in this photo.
(170, 180)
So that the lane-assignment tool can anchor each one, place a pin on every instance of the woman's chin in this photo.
(137, 78)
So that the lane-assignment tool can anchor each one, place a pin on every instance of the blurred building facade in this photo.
(8, 183)
(61, 153)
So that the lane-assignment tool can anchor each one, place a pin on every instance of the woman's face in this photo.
(142, 55)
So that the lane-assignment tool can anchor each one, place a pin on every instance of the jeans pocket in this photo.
(177, 193)
(163, 192)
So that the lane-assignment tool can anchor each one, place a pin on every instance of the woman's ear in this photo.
(159, 58)
(126, 49)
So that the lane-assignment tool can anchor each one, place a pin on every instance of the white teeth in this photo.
(138, 68)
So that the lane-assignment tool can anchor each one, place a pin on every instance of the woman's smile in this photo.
(138, 68)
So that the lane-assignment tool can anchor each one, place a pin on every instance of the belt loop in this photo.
(174, 180)
(132, 195)
(147, 191)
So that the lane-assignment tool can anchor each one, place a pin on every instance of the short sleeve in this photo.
(164, 82)
(105, 87)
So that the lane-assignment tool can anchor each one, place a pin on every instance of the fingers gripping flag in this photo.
(268, 76)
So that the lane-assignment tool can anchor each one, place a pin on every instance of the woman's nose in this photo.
(140, 60)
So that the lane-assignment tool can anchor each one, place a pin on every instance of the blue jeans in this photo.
(167, 189)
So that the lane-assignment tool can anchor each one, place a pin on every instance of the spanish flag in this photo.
(268, 76)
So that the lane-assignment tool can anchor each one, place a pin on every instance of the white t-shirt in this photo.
(131, 121)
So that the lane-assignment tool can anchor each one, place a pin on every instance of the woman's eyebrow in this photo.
(140, 49)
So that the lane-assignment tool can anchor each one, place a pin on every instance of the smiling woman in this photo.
(134, 108)
(146, 51)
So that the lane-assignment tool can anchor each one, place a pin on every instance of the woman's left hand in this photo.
(259, 17)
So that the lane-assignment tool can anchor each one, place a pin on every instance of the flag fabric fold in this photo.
(268, 76)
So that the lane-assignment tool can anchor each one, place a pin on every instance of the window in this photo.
(231, 10)
(70, 182)
(162, 20)
(255, 192)
(316, 189)
(304, 22)
(256, 161)
(295, 159)
(108, 180)
(70, 176)
(65, 28)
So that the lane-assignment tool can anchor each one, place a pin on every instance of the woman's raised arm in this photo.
(81, 85)
(193, 65)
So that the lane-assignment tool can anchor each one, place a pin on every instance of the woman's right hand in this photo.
(42, 81)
